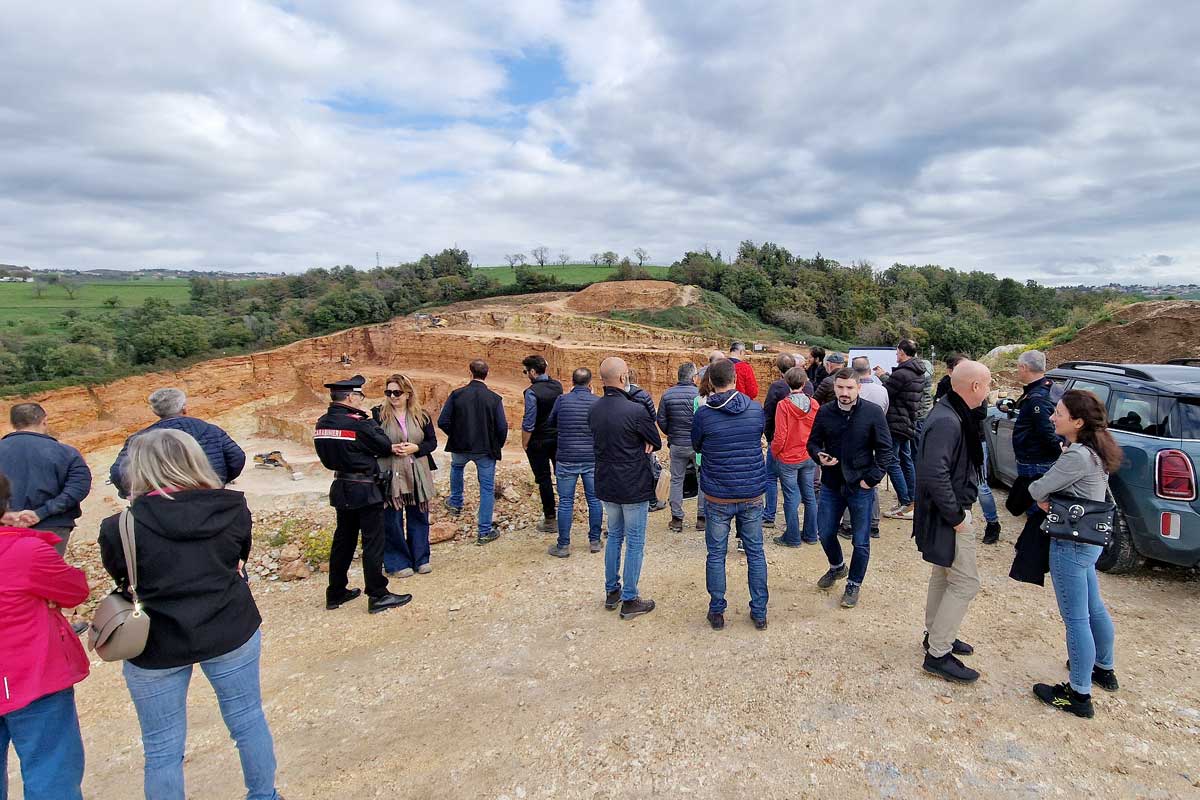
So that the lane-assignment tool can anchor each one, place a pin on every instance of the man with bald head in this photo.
(623, 432)
(949, 463)
(713, 357)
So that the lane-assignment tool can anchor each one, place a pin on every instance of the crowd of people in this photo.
(824, 439)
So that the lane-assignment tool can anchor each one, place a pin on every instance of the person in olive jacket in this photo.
(192, 538)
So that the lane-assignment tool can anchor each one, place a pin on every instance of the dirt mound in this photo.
(625, 295)
(1139, 333)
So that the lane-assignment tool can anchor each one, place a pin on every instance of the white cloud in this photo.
(1043, 140)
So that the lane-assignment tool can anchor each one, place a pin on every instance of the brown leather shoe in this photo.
(636, 607)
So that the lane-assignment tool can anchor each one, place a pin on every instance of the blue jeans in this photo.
(832, 505)
(46, 736)
(773, 480)
(485, 469)
(160, 698)
(797, 483)
(405, 538)
(986, 501)
(718, 519)
(902, 471)
(626, 526)
(1090, 634)
(568, 475)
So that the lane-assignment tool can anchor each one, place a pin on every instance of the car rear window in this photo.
(1101, 390)
(1135, 413)
(1182, 417)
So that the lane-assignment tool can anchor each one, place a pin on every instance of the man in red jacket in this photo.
(746, 383)
(41, 660)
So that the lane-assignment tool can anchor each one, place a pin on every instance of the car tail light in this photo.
(1169, 526)
(1176, 480)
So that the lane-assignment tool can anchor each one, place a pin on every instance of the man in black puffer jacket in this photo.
(905, 385)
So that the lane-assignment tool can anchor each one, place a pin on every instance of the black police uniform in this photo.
(1034, 442)
(348, 441)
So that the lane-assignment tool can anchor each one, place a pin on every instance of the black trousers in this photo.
(541, 454)
(350, 521)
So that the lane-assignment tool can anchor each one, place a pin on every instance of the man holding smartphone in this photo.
(851, 442)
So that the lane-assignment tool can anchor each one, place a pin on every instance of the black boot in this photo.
(991, 534)
(1064, 698)
(332, 603)
(386, 601)
(950, 668)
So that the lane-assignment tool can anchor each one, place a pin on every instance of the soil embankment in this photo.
(1142, 333)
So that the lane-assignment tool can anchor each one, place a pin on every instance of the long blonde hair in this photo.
(167, 459)
(414, 401)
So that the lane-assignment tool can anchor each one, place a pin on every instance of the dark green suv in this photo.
(1154, 414)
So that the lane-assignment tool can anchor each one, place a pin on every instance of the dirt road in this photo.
(505, 678)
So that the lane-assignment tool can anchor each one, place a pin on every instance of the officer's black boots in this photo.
(384, 602)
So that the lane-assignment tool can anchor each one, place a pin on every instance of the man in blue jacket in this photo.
(575, 461)
(851, 441)
(1035, 444)
(727, 432)
(170, 405)
(623, 432)
(675, 412)
(49, 479)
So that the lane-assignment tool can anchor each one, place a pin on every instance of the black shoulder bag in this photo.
(1077, 519)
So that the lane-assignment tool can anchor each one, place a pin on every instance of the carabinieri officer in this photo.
(348, 441)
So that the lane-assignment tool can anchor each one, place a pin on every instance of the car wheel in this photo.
(1120, 556)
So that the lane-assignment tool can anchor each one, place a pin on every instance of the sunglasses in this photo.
(393, 392)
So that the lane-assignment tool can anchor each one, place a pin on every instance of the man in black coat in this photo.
(348, 441)
(624, 433)
(775, 392)
(949, 464)
(539, 434)
(905, 385)
(473, 420)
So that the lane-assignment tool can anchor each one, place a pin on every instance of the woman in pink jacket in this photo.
(41, 660)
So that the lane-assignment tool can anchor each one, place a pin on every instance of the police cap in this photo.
(347, 384)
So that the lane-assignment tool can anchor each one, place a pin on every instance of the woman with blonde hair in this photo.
(191, 537)
(410, 487)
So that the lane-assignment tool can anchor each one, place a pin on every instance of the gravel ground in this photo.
(506, 678)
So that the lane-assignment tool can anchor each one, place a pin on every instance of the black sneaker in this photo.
(701, 523)
(636, 607)
(717, 621)
(760, 624)
(768, 523)
(454, 510)
(782, 542)
(950, 668)
(489, 538)
(959, 648)
(1106, 679)
(850, 596)
(991, 534)
(874, 533)
(612, 599)
(1064, 698)
(386, 601)
(676, 524)
(347, 596)
(834, 575)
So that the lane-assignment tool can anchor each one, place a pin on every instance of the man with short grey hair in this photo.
(170, 405)
(1035, 444)
(675, 412)
(747, 382)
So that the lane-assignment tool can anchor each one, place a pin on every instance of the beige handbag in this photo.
(119, 627)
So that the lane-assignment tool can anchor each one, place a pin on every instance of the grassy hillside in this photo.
(718, 318)
(19, 303)
(571, 274)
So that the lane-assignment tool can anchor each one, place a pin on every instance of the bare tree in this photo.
(540, 254)
(596, 259)
(515, 258)
(641, 255)
(564, 258)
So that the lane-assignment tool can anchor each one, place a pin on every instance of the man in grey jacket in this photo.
(49, 479)
(949, 463)
(675, 411)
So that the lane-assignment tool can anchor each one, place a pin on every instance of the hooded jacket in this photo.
(794, 417)
(905, 387)
(727, 430)
(188, 547)
(39, 653)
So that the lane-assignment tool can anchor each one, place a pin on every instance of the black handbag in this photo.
(1077, 519)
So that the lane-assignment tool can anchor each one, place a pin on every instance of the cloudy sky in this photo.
(1052, 140)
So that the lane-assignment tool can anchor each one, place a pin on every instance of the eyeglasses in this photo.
(393, 392)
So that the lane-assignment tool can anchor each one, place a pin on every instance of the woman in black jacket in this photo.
(410, 488)
(192, 537)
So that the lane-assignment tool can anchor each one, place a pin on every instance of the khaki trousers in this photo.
(951, 590)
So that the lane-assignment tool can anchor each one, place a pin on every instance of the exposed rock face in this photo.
(1141, 333)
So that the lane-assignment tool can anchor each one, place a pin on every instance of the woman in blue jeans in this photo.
(1081, 471)
(192, 539)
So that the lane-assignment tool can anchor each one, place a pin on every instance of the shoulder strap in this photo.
(129, 546)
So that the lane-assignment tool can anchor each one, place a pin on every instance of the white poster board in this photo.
(880, 356)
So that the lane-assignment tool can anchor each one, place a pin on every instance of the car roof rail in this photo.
(1185, 362)
(1115, 369)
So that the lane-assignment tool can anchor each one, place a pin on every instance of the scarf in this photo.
(970, 429)
(412, 482)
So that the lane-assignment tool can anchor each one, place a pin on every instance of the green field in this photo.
(570, 274)
(18, 302)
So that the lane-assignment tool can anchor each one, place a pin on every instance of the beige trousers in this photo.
(951, 590)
